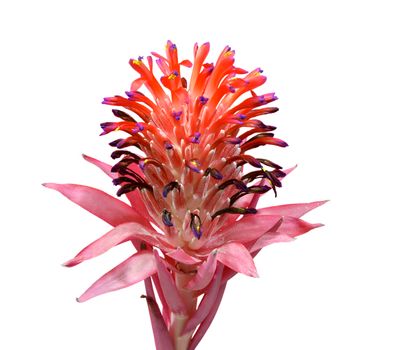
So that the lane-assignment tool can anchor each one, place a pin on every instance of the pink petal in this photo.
(296, 227)
(181, 256)
(169, 288)
(237, 257)
(206, 303)
(208, 320)
(118, 235)
(270, 238)
(99, 203)
(135, 269)
(134, 197)
(204, 273)
(294, 210)
(162, 338)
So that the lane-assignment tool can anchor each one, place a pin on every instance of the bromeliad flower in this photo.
(184, 166)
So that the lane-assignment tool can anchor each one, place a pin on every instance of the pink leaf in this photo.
(294, 210)
(99, 203)
(202, 329)
(165, 307)
(162, 338)
(134, 269)
(204, 273)
(206, 303)
(118, 235)
(169, 288)
(238, 258)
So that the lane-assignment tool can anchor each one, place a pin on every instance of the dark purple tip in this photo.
(115, 143)
(169, 187)
(196, 137)
(203, 100)
(194, 165)
(177, 115)
(168, 145)
(195, 225)
(233, 140)
(214, 173)
(139, 127)
(167, 218)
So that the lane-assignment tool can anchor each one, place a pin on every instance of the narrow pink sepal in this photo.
(116, 236)
(204, 273)
(168, 286)
(206, 303)
(295, 227)
(237, 257)
(181, 256)
(162, 338)
(270, 238)
(134, 269)
(296, 210)
(99, 203)
(134, 197)
(204, 326)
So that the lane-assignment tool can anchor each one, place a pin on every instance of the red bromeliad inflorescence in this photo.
(193, 217)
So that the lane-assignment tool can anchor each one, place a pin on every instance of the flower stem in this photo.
(182, 342)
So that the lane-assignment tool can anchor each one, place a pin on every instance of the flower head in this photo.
(185, 167)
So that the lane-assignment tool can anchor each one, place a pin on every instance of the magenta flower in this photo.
(193, 190)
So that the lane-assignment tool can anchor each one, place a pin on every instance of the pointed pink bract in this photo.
(116, 236)
(294, 210)
(238, 258)
(135, 269)
(97, 202)
(204, 274)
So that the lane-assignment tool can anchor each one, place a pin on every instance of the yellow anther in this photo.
(137, 62)
(172, 76)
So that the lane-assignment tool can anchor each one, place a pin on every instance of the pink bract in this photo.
(193, 189)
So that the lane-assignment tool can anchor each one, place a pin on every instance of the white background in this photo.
(336, 67)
